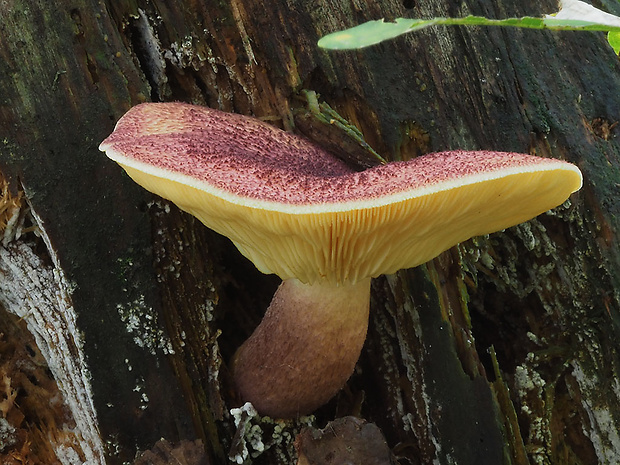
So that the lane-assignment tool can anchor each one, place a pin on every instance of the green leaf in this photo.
(370, 33)
(613, 37)
(575, 15)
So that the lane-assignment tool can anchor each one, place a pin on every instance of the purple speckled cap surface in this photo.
(248, 158)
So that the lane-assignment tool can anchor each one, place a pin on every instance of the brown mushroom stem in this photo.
(305, 349)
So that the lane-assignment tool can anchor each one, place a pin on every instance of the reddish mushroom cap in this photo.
(297, 211)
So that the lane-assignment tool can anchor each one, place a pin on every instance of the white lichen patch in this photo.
(527, 236)
(213, 353)
(603, 431)
(207, 308)
(242, 417)
(8, 435)
(529, 387)
(144, 398)
(39, 293)
(526, 379)
(256, 434)
(183, 54)
(142, 322)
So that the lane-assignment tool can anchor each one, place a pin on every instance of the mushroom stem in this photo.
(305, 349)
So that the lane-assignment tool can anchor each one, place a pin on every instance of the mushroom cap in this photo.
(297, 211)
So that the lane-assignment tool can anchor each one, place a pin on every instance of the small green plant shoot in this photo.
(574, 15)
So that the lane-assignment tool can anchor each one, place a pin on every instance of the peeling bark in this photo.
(40, 294)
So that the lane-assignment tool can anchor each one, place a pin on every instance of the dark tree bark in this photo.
(502, 350)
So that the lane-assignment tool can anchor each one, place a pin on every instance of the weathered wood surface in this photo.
(502, 350)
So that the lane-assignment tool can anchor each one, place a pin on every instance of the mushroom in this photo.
(326, 230)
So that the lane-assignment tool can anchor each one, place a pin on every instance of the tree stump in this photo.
(501, 350)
